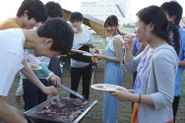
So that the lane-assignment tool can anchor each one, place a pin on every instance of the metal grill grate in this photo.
(69, 107)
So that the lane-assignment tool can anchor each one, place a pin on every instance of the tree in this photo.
(128, 25)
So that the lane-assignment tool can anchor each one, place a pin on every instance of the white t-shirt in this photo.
(11, 57)
(83, 37)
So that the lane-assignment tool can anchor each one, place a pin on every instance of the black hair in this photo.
(36, 10)
(61, 33)
(173, 8)
(162, 28)
(54, 9)
(75, 16)
(112, 21)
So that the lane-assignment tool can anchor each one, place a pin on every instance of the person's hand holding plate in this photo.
(90, 44)
(122, 94)
(97, 51)
(100, 56)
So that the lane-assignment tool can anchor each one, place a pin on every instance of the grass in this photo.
(124, 109)
(127, 118)
(102, 61)
(180, 113)
(100, 47)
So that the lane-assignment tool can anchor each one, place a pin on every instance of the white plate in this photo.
(89, 54)
(106, 87)
(78, 51)
(34, 67)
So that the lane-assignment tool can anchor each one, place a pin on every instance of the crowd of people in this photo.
(40, 36)
(155, 57)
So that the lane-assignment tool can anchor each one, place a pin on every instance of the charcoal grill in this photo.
(44, 118)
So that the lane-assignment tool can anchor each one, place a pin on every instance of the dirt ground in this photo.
(124, 113)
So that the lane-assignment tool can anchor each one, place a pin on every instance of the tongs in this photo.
(58, 100)
(72, 92)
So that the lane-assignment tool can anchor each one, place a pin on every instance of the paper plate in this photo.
(89, 54)
(78, 51)
(34, 67)
(106, 87)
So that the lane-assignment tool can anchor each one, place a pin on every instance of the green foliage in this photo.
(128, 25)
(94, 33)
(100, 47)
(96, 36)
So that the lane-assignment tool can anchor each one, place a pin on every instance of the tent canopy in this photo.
(97, 25)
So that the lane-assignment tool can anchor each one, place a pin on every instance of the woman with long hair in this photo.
(113, 72)
(156, 67)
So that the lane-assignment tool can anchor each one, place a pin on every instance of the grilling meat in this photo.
(61, 105)
(71, 112)
(50, 115)
(51, 111)
(67, 99)
(71, 116)
(76, 108)
(85, 103)
(53, 103)
(47, 106)
(58, 114)
(75, 103)
(77, 100)
(76, 112)
(63, 116)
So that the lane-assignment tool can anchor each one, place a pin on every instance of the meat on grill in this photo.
(63, 116)
(47, 111)
(76, 112)
(67, 99)
(85, 103)
(47, 106)
(58, 114)
(65, 113)
(53, 102)
(61, 105)
(50, 115)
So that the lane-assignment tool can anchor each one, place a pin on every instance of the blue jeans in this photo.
(33, 95)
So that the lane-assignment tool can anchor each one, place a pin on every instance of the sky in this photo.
(8, 8)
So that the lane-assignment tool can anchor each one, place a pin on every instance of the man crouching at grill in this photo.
(52, 38)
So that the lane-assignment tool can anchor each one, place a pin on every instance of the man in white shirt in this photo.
(80, 65)
(54, 37)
